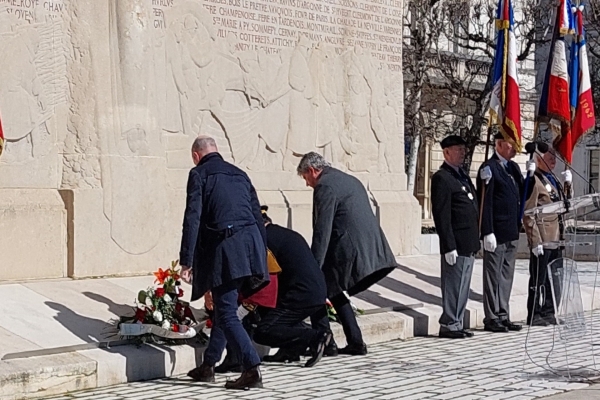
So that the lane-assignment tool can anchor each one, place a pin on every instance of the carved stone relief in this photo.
(32, 77)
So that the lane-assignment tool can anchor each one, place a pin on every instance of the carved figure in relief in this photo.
(22, 98)
(302, 132)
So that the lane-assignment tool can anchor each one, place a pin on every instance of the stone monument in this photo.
(101, 99)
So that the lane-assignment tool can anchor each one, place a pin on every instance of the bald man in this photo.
(224, 250)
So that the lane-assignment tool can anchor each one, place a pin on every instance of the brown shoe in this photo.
(249, 379)
(203, 373)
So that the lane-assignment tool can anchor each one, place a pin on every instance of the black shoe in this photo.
(354, 350)
(468, 333)
(495, 326)
(203, 373)
(318, 348)
(538, 321)
(228, 365)
(282, 356)
(512, 327)
(453, 334)
(249, 379)
(331, 350)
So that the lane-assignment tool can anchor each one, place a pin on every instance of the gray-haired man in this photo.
(347, 242)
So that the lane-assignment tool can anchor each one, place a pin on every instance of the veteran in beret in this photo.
(455, 214)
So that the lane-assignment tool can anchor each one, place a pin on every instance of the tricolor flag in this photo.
(1, 137)
(554, 106)
(505, 103)
(583, 119)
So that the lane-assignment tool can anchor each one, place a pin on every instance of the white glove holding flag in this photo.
(489, 243)
(486, 174)
(538, 250)
(451, 257)
(530, 167)
(567, 176)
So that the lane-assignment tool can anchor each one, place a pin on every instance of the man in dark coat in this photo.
(301, 294)
(223, 249)
(500, 182)
(455, 213)
(348, 244)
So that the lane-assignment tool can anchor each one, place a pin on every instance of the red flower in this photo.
(160, 292)
(209, 323)
(175, 328)
(180, 292)
(140, 315)
(161, 276)
(178, 307)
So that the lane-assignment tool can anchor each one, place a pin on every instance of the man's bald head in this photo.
(202, 146)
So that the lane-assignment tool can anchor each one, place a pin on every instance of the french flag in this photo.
(505, 103)
(581, 100)
(554, 107)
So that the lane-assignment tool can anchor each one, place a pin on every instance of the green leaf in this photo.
(142, 296)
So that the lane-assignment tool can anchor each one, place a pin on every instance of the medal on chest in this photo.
(469, 194)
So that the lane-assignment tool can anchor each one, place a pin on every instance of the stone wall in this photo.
(100, 101)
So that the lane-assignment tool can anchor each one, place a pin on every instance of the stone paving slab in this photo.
(488, 366)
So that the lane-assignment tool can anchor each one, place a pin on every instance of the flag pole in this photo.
(487, 153)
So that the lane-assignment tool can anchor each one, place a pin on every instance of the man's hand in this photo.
(451, 257)
(489, 243)
(486, 174)
(186, 274)
(208, 301)
(567, 176)
(538, 250)
(530, 167)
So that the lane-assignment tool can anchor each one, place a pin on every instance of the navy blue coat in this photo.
(224, 237)
(503, 195)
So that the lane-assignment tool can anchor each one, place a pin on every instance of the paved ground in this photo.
(490, 366)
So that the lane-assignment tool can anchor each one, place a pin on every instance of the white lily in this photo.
(157, 315)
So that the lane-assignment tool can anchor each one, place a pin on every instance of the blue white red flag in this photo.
(554, 106)
(505, 102)
(583, 119)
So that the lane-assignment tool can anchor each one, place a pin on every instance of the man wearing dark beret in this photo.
(455, 214)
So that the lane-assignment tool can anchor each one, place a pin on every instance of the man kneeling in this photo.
(301, 294)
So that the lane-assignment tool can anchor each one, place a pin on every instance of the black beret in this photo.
(452, 140)
(499, 136)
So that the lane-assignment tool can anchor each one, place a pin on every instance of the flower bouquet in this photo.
(332, 314)
(160, 312)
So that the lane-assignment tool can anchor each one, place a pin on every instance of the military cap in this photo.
(452, 140)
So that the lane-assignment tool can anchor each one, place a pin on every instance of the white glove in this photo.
(567, 176)
(451, 257)
(538, 250)
(242, 312)
(486, 174)
(530, 166)
(489, 242)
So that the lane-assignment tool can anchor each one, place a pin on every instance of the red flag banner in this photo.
(1, 137)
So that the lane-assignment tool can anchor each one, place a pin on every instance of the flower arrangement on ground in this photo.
(159, 311)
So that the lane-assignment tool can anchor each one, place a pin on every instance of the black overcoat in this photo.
(501, 205)
(455, 211)
(224, 237)
(347, 243)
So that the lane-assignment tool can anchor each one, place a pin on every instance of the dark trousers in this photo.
(228, 329)
(285, 329)
(539, 299)
(346, 316)
(498, 275)
(456, 283)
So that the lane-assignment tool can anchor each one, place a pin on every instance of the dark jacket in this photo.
(301, 282)
(503, 195)
(347, 243)
(224, 238)
(455, 213)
